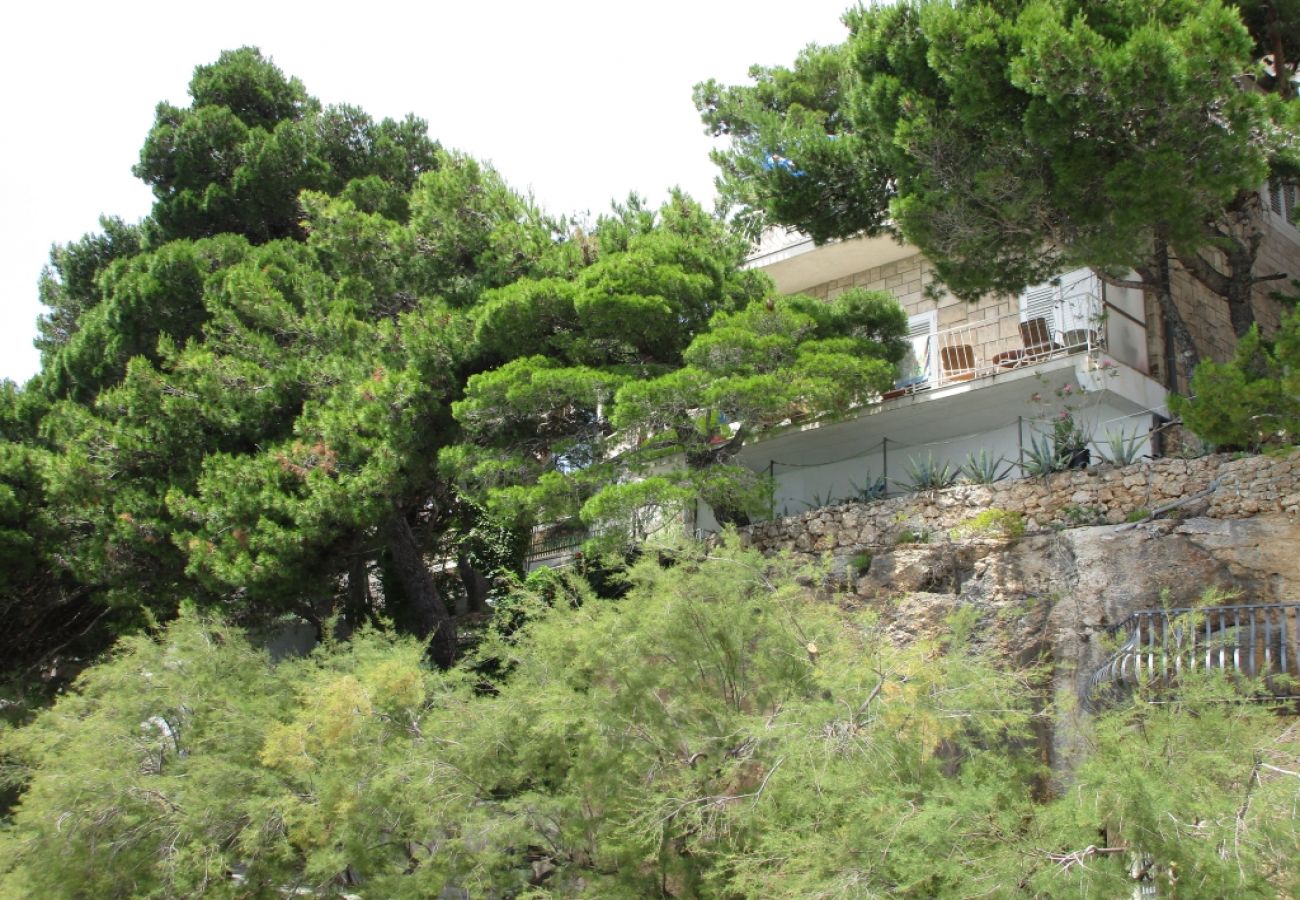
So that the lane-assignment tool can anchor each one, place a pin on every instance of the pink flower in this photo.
(1068, 389)
(1065, 414)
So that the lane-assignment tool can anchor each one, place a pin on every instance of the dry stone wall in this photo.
(1243, 488)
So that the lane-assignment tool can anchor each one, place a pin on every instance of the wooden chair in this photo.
(1037, 338)
(958, 362)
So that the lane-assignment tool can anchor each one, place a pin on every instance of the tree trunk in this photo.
(1240, 313)
(433, 622)
(476, 585)
(1241, 284)
(356, 608)
(1161, 284)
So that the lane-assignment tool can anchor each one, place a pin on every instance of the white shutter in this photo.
(1040, 302)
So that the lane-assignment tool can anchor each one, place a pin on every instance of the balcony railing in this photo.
(554, 546)
(980, 348)
(1259, 640)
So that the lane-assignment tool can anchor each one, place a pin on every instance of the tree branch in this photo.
(1122, 283)
(1202, 270)
(1276, 276)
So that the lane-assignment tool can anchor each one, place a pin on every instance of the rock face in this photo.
(1051, 596)
(1052, 593)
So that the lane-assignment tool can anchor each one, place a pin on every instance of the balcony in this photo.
(1053, 321)
(987, 383)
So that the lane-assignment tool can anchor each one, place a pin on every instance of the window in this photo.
(1281, 198)
(917, 366)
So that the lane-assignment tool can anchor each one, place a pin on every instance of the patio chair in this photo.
(1037, 338)
(958, 362)
(1080, 339)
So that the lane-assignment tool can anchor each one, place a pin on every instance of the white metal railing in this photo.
(986, 347)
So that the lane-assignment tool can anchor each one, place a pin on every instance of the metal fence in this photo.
(554, 546)
(1255, 640)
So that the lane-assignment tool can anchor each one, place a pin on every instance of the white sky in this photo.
(579, 102)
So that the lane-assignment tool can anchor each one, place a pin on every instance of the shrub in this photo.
(909, 535)
(721, 730)
(872, 489)
(1123, 449)
(1041, 457)
(1252, 401)
(994, 521)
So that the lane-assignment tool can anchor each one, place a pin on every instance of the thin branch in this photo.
(875, 692)
(1068, 860)
(1276, 276)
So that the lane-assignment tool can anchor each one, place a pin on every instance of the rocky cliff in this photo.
(1051, 593)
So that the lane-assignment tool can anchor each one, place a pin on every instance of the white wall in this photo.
(800, 488)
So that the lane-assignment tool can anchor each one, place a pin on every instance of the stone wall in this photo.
(911, 280)
(1249, 486)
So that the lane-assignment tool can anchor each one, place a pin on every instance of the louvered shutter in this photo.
(1040, 302)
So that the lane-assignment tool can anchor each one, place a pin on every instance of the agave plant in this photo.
(1042, 457)
(982, 468)
(928, 474)
(1124, 449)
(873, 489)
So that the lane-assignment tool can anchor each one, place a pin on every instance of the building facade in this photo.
(997, 380)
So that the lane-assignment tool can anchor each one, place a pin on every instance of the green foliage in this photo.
(1138, 515)
(861, 563)
(982, 468)
(1122, 449)
(69, 285)
(1042, 458)
(871, 489)
(1152, 773)
(910, 535)
(252, 139)
(992, 522)
(928, 474)
(718, 731)
(1077, 515)
(1253, 401)
(1011, 142)
(245, 396)
(656, 360)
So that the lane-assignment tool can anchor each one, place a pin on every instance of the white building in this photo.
(991, 376)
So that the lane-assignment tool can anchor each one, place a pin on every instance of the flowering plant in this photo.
(1069, 439)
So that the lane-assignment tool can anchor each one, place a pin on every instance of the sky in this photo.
(578, 102)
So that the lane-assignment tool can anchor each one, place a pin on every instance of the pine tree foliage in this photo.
(1253, 401)
(646, 371)
(1013, 140)
(718, 731)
